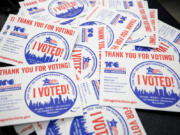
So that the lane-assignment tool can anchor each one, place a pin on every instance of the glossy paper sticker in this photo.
(55, 11)
(31, 42)
(149, 22)
(88, 95)
(38, 92)
(86, 54)
(140, 80)
(118, 25)
(167, 36)
(140, 35)
(102, 120)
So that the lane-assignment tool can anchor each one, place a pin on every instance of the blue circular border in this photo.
(52, 2)
(49, 126)
(89, 23)
(93, 55)
(169, 43)
(37, 78)
(123, 122)
(136, 28)
(158, 63)
(135, 16)
(44, 33)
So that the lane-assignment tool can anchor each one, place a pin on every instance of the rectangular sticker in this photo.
(63, 12)
(86, 53)
(31, 42)
(166, 36)
(102, 120)
(88, 95)
(119, 25)
(38, 93)
(140, 36)
(145, 80)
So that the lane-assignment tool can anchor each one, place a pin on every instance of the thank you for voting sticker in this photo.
(46, 47)
(137, 29)
(110, 33)
(50, 94)
(165, 46)
(95, 122)
(85, 60)
(155, 84)
(65, 9)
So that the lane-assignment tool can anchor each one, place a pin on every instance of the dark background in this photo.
(154, 122)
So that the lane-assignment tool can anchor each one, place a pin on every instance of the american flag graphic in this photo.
(116, 19)
(153, 71)
(50, 81)
(156, 71)
(51, 41)
(86, 62)
(84, 35)
(113, 127)
(162, 47)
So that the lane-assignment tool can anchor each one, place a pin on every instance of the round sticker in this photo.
(46, 47)
(54, 127)
(155, 84)
(50, 94)
(110, 35)
(65, 9)
(135, 16)
(137, 35)
(85, 61)
(99, 120)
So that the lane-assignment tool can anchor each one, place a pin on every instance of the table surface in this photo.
(154, 122)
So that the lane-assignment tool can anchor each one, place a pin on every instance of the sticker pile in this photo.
(81, 67)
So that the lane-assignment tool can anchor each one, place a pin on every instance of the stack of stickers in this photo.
(81, 67)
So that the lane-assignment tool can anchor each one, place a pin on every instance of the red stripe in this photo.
(116, 20)
(86, 38)
(164, 44)
(86, 64)
(159, 50)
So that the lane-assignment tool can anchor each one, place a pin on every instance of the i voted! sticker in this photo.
(99, 120)
(85, 60)
(46, 47)
(155, 84)
(65, 9)
(51, 94)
